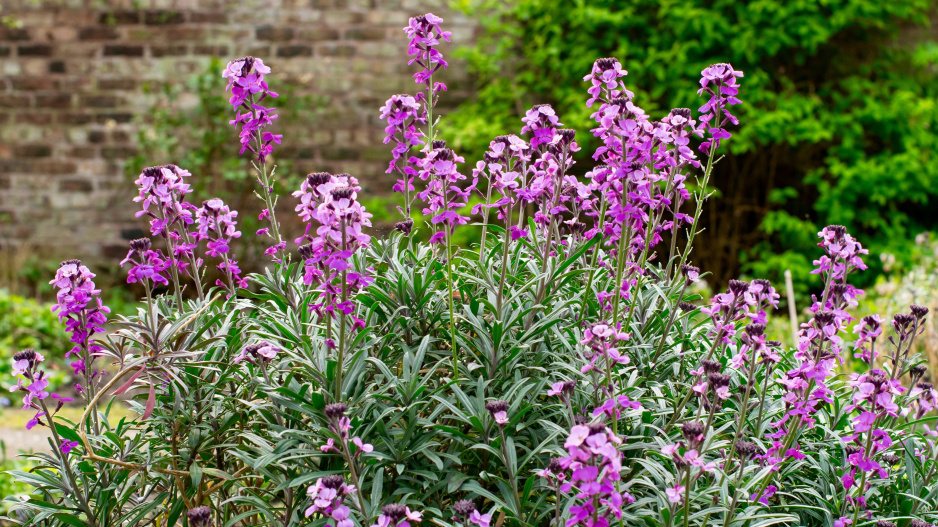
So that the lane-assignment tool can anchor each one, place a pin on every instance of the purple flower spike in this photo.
(248, 88)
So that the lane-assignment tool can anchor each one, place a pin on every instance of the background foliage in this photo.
(837, 126)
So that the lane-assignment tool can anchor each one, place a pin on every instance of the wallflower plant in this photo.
(561, 372)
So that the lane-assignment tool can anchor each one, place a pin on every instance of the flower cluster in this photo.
(26, 367)
(465, 513)
(403, 113)
(331, 200)
(217, 224)
(397, 516)
(327, 496)
(720, 82)
(79, 306)
(248, 89)
(148, 265)
(425, 33)
(260, 352)
(594, 462)
(442, 195)
(340, 425)
(161, 193)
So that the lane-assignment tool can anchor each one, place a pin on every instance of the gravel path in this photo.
(16, 440)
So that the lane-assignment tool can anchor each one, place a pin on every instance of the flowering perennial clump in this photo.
(562, 371)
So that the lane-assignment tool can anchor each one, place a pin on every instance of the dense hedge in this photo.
(837, 126)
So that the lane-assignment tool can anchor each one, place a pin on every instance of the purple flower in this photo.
(424, 33)
(217, 224)
(397, 516)
(328, 495)
(79, 306)
(67, 446)
(248, 89)
(719, 81)
(595, 462)
(764, 496)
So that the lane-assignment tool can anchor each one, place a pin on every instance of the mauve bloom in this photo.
(200, 517)
(248, 88)
(675, 494)
(67, 446)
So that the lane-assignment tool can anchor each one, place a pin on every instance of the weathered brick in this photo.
(14, 100)
(277, 34)
(32, 151)
(119, 17)
(53, 167)
(123, 51)
(119, 118)
(212, 51)
(96, 136)
(98, 33)
(57, 66)
(82, 152)
(215, 17)
(365, 33)
(4, 185)
(118, 152)
(4, 51)
(14, 34)
(36, 50)
(317, 34)
(336, 50)
(296, 50)
(54, 100)
(117, 84)
(164, 18)
(34, 118)
(169, 51)
(75, 118)
(100, 101)
(76, 185)
(34, 83)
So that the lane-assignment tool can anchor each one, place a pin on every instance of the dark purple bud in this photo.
(70, 262)
(606, 64)
(871, 322)
(621, 102)
(853, 449)
(901, 321)
(682, 112)
(26, 354)
(686, 307)
(718, 380)
(692, 431)
(395, 512)
(711, 366)
(342, 193)
(748, 449)
(444, 154)
(918, 312)
(838, 230)
(755, 330)
(823, 318)
(926, 386)
(438, 144)
(335, 410)
(318, 178)
(918, 370)
(738, 287)
(503, 139)
(405, 226)
(596, 428)
(200, 517)
(884, 523)
(917, 523)
(140, 244)
(554, 465)
(496, 406)
(566, 135)
(891, 459)
(153, 172)
(876, 380)
(463, 508)
(690, 274)
(773, 344)
(305, 251)
(580, 420)
(335, 481)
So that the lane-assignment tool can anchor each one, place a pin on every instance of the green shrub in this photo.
(838, 126)
(25, 323)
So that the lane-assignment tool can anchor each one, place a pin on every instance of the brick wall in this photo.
(71, 97)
